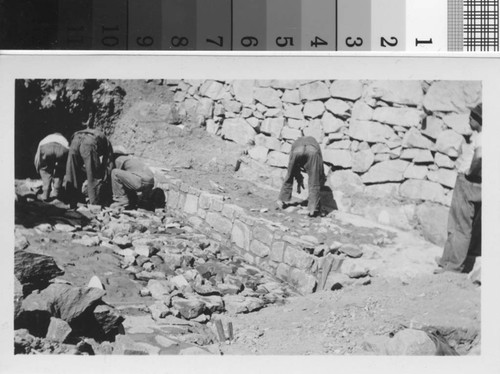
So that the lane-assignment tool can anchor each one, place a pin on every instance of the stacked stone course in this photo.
(386, 139)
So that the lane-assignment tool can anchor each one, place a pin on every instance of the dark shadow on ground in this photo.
(32, 213)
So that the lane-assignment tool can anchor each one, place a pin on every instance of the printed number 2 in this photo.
(358, 42)
(385, 43)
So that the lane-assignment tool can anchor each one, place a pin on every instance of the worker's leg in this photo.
(46, 175)
(123, 183)
(460, 220)
(88, 151)
(286, 189)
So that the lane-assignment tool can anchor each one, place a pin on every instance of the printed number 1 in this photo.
(418, 42)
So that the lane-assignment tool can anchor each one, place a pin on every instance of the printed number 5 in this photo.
(283, 41)
(385, 43)
(354, 43)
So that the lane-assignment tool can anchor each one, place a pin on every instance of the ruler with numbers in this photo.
(250, 25)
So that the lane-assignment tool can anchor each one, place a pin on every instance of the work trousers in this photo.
(315, 172)
(126, 184)
(464, 225)
(52, 165)
(84, 164)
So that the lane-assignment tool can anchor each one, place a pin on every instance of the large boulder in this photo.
(313, 109)
(386, 171)
(362, 160)
(414, 139)
(453, 96)
(331, 124)
(345, 180)
(399, 92)
(238, 130)
(406, 117)
(33, 270)
(212, 89)
(372, 132)
(272, 126)
(340, 158)
(71, 304)
(432, 219)
(411, 342)
(422, 190)
(268, 96)
(314, 91)
(449, 143)
(346, 89)
(243, 90)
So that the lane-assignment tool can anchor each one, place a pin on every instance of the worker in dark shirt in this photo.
(90, 158)
(129, 177)
(464, 219)
(305, 156)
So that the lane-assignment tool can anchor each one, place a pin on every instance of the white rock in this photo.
(258, 153)
(405, 117)
(238, 130)
(277, 159)
(268, 96)
(338, 107)
(449, 142)
(459, 122)
(386, 171)
(313, 109)
(372, 132)
(331, 124)
(415, 172)
(338, 157)
(422, 190)
(401, 92)
(95, 282)
(314, 91)
(362, 160)
(346, 89)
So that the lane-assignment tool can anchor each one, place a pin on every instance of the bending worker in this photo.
(464, 219)
(90, 158)
(50, 163)
(305, 156)
(129, 177)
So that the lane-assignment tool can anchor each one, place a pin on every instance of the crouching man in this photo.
(128, 178)
(305, 156)
(50, 163)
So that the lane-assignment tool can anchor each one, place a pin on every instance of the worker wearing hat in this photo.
(128, 178)
(464, 219)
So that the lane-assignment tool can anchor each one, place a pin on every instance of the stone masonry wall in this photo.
(380, 139)
(259, 241)
(398, 137)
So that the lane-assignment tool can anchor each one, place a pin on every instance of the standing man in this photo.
(50, 163)
(129, 177)
(464, 219)
(90, 158)
(305, 156)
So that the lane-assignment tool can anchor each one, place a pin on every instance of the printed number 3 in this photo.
(358, 42)
(385, 43)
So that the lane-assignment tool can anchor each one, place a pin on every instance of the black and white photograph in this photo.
(239, 217)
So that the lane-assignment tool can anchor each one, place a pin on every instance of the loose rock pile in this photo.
(59, 312)
(186, 278)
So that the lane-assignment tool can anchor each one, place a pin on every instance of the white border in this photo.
(201, 66)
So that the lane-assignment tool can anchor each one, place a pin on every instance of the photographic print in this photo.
(247, 216)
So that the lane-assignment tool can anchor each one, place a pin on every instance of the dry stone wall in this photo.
(261, 242)
(379, 138)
